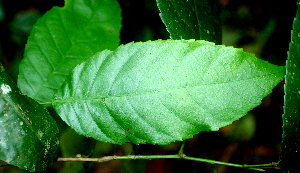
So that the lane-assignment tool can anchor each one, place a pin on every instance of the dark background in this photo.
(259, 27)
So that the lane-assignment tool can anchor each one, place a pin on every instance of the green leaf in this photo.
(28, 134)
(290, 154)
(189, 19)
(63, 38)
(163, 91)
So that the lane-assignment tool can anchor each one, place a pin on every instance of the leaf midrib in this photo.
(72, 99)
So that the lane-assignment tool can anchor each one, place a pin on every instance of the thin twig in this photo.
(109, 158)
(175, 156)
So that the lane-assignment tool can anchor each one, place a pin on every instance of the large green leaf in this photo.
(190, 19)
(63, 38)
(290, 154)
(28, 134)
(162, 91)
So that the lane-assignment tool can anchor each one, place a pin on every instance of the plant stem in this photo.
(110, 158)
(175, 156)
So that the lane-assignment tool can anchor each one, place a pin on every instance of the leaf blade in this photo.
(191, 19)
(63, 38)
(289, 155)
(28, 134)
(162, 91)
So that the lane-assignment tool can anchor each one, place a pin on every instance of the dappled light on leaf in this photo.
(28, 134)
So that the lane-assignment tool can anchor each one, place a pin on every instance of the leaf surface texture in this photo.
(162, 91)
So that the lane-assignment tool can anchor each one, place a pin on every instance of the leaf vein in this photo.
(143, 120)
(151, 92)
(93, 118)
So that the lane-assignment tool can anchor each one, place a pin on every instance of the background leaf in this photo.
(72, 145)
(63, 38)
(163, 91)
(28, 134)
(191, 19)
(290, 155)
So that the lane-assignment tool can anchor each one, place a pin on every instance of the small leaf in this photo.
(290, 154)
(189, 19)
(163, 91)
(28, 134)
(63, 38)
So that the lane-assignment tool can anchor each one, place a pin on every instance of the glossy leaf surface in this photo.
(63, 38)
(290, 155)
(190, 19)
(162, 91)
(28, 134)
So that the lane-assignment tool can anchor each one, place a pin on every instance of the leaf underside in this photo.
(28, 134)
(290, 155)
(191, 19)
(163, 91)
(63, 38)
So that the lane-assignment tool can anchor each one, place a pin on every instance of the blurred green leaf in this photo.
(244, 130)
(63, 38)
(21, 26)
(290, 154)
(162, 91)
(28, 134)
(2, 14)
(73, 145)
(189, 19)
